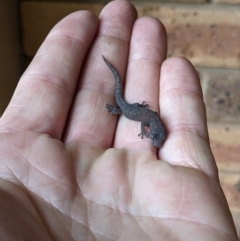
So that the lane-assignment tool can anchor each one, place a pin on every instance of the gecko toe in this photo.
(144, 134)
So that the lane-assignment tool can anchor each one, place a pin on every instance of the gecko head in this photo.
(157, 137)
(157, 130)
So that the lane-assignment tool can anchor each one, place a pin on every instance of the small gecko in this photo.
(137, 112)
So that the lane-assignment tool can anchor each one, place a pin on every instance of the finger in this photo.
(44, 94)
(89, 121)
(147, 52)
(183, 112)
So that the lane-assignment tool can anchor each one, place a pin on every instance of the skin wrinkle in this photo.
(102, 234)
(20, 128)
(184, 127)
(39, 214)
(13, 175)
(56, 81)
(44, 52)
(179, 219)
(184, 90)
(162, 218)
(126, 144)
(148, 45)
(6, 128)
(134, 60)
(98, 86)
(29, 196)
(67, 37)
(191, 152)
(123, 213)
(151, 104)
(181, 198)
(194, 150)
(141, 58)
(126, 174)
(193, 164)
(12, 171)
(102, 32)
(203, 224)
(138, 225)
(57, 207)
(149, 59)
(72, 216)
(131, 184)
(212, 180)
(36, 168)
(143, 229)
(113, 38)
(85, 136)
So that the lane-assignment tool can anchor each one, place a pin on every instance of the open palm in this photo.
(69, 170)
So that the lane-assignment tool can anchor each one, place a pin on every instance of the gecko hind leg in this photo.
(113, 110)
(140, 105)
(143, 104)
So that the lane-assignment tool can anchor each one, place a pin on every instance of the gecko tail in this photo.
(118, 91)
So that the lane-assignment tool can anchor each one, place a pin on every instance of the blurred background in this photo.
(205, 32)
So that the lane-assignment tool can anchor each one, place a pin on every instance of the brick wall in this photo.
(208, 34)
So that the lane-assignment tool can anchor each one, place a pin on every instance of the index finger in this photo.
(45, 91)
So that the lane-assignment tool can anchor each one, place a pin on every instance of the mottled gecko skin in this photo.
(137, 112)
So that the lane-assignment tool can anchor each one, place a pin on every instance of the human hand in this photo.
(65, 174)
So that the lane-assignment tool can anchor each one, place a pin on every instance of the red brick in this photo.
(225, 143)
(227, 1)
(231, 186)
(221, 94)
(236, 219)
(209, 35)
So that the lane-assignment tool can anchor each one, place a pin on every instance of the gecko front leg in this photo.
(143, 131)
